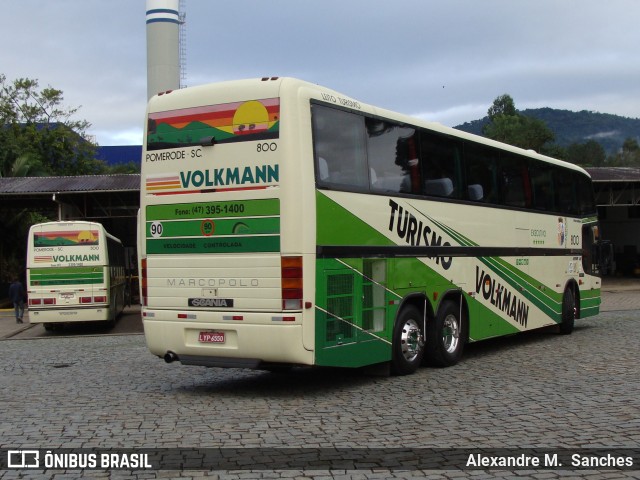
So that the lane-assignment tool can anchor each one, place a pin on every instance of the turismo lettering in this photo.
(415, 232)
(220, 177)
(76, 258)
(500, 296)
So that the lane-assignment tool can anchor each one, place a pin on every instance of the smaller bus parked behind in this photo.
(75, 273)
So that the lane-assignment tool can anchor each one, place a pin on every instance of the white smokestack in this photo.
(163, 46)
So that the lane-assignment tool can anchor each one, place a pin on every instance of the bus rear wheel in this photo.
(445, 336)
(408, 341)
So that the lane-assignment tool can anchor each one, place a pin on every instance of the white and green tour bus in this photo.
(283, 223)
(75, 273)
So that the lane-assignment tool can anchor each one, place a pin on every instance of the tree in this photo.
(629, 155)
(38, 136)
(25, 165)
(502, 105)
(130, 167)
(35, 123)
(588, 154)
(508, 126)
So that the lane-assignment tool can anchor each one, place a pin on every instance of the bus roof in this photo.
(75, 223)
(235, 90)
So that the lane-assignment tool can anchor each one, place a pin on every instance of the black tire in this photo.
(568, 312)
(446, 336)
(408, 341)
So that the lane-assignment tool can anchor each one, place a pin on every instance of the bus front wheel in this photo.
(408, 341)
(568, 312)
(445, 336)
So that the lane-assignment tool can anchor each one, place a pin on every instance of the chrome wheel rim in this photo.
(410, 340)
(450, 333)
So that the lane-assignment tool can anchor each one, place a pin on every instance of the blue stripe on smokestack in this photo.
(162, 15)
(164, 20)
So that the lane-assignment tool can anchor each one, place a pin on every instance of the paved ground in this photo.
(537, 390)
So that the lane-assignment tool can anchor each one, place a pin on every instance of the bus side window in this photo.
(566, 186)
(393, 158)
(542, 187)
(441, 163)
(340, 149)
(586, 200)
(515, 187)
(481, 173)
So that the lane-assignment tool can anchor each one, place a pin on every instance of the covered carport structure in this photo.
(112, 200)
(617, 192)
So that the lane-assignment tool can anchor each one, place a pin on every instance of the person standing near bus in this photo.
(17, 295)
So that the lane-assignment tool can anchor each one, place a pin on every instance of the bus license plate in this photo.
(211, 337)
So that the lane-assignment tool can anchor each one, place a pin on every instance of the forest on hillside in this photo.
(589, 139)
(610, 131)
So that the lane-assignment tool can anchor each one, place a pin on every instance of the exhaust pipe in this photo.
(170, 357)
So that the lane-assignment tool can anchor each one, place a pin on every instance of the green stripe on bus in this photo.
(346, 229)
(66, 276)
(249, 244)
(237, 226)
(59, 281)
(203, 210)
(546, 299)
(338, 226)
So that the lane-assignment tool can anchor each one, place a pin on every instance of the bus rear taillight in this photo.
(143, 281)
(49, 301)
(291, 268)
(35, 301)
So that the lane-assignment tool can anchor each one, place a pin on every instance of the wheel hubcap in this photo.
(450, 333)
(411, 340)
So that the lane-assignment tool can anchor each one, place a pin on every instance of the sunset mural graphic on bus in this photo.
(225, 123)
(65, 238)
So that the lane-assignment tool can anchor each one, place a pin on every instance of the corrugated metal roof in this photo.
(83, 183)
(614, 174)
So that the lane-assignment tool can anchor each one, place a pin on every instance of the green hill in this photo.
(569, 127)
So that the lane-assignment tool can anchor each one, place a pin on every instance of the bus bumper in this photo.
(66, 315)
(255, 341)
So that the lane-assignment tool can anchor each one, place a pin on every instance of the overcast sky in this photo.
(442, 60)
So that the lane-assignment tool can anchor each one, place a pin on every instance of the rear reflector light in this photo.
(100, 299)
(291, 270)
(49, 301)
(85, 299)
(35, 301)
(283, 319)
